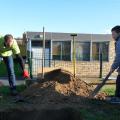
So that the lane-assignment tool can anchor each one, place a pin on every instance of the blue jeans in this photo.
(10, 69)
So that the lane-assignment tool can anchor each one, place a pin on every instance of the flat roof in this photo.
(67, 36)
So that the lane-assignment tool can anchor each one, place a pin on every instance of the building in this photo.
(59, 49)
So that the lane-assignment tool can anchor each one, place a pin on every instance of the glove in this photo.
(25, 74)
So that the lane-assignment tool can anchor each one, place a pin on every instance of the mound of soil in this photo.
(58, 87)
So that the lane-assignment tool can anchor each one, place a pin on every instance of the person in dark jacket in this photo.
(116, 63)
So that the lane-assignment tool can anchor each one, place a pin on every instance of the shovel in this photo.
(99, 86)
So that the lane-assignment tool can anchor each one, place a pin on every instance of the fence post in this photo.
(30, 59)
(101, 63)
(30, 66)
(43, 54)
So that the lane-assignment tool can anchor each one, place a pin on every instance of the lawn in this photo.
(4, 90)
(109, 89)
(101, 111)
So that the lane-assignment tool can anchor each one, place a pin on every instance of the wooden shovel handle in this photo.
(99, 86)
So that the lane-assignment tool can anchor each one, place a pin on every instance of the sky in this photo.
(71, 16)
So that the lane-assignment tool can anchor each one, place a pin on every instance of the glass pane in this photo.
(83, 51)
(56, 50)
(66, 50)
(95, 51)
(105, 49)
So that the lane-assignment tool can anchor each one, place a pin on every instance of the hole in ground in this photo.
(44, 114)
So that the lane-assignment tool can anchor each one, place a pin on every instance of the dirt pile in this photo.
(59, 86)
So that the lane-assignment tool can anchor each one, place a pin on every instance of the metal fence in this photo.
(81, 68)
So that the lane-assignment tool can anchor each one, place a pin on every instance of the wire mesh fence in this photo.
(82, 68)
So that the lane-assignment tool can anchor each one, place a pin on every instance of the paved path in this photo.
(19, 81)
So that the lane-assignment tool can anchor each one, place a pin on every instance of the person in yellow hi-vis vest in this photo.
(8, 47)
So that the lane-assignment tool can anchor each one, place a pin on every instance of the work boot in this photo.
(115, 100)
(117, 91)
(13, 91)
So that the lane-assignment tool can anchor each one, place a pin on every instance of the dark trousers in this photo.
(10, 69)
(117, 92)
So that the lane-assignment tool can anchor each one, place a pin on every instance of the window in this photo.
(83, 51)
(95, 51)
(56, 49)
(105, 51)
(66, 50)
(61, 50)
(96, 47)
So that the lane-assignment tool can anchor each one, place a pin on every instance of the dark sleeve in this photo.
(116, 62)
(20, 61)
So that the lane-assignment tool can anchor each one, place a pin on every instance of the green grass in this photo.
(101, 110)
(4, 90)
(109, 89)
(6, 101)
(102, 114)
